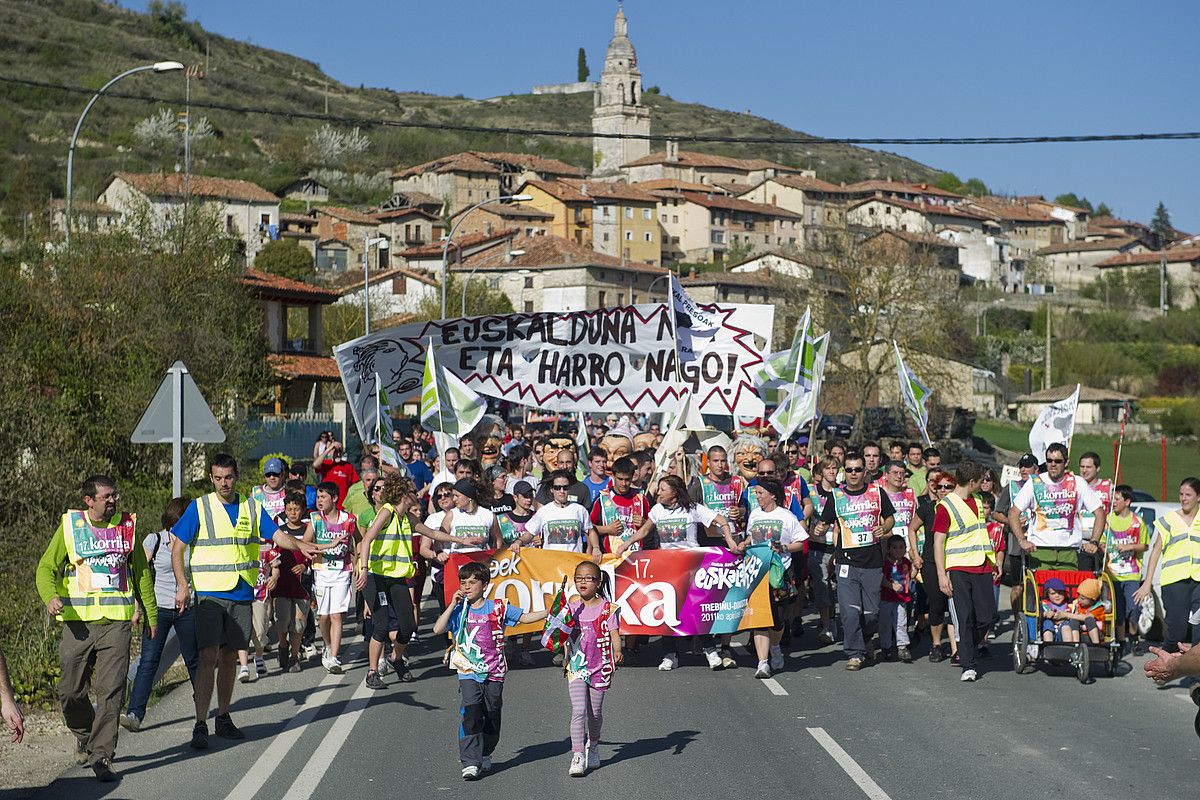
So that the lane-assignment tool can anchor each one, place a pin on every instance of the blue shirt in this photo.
(492, 655)
(188, 526)
(796, 506)
(419, 473)
(595, 488)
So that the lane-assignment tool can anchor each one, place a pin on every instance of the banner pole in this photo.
(1120, 445)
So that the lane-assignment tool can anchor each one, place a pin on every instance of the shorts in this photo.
(223, 623)
(332, 591)
(290, 614)
(1053, 558)
(820, 576)
(1011, 574)
(1127, 608)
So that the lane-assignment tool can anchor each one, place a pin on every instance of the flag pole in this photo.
(1120, 444)
(1074, 413)
(378, 408)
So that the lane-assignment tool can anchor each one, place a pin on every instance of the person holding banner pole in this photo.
(1054, 502)
(821, 552)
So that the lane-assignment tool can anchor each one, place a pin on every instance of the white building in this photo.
(618, 104)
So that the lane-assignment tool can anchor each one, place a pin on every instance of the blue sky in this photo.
(927, 68)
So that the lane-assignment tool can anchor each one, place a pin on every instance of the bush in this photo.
(286, 258)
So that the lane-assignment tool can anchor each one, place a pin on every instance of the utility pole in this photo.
(1046, 379)
(1162, 285)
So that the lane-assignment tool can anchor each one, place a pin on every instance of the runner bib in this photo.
(858, 516)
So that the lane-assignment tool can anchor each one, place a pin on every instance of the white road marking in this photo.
(773, 686)
(258, 775)
(306, 782)
(870, 788)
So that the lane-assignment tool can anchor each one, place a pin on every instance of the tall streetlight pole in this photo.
(368, 243)
(160, 66)
(518, 198)
(508, 256)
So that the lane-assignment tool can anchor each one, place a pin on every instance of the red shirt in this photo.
(626, 506)
(344, 475)
(941, 524)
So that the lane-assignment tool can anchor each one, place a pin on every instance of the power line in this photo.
(366, 122)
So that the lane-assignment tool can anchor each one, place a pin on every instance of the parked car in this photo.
(884, 423)
(1150, 510)
(836, 425)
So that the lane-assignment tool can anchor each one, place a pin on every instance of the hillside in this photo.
(86, 42)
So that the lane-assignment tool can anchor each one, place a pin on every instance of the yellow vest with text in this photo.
(967, 541)
(1180, 548)
(391, 553)
(223, 552)
(97, 583)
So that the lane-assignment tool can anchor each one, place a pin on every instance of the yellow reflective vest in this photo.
(97, 583)
(967, 541)
(223, 552)
(391, 554)
(1180, 548)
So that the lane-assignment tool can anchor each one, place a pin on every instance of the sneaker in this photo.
(984, 651)
(969, 675)
(374, 681)
(385, 666)
(294, 666)
(486, 764)
(854, 664)
(776, 658)
(131, 722)
(470, 773)
(226, 729)
(668, 663)
(104, 771)
(200, 736)
(936, 655)
(244, 674)
(335, 666)
(905, 655)
(891, 654)
(308, 651)
(955, 661)
(764, 670)
(260, 666)
(826, 638)
(404, 674)
(593, 758)
(525, 659)
(81, 753)
(416, 637)
(727, 660)
(578, 765)
(871, 654)
(319, 645)
(714, 660)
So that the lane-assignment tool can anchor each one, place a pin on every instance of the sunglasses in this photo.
(443, 495)
(945, 486)
(560, 487)
(1056, 461)
(272, 474)
(766, 472)
(855, 470)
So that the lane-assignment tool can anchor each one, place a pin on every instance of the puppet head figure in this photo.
(550, 450)
(616, 445)
(748, 450)
(489, 451)
(644, 441)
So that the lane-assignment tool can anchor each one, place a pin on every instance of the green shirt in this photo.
(356, 502)
(918, 479)
(54, 560)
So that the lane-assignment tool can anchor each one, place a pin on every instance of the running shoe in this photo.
(131, 722)
(325, 661)
(776, 658)
(936, 654)
(969, 675)
(335, 666)
(104, 771)
(854, 664)
(225, 728)
(826, 637)
(593, 758)
(470, 773)
(260, 666)
(385, 666)
(81, 753)
(486, 764)
(905, 655)
(578, 765)
(244, 674)
(764, 670)
(294, 666)
(714, 660)
(955, 661)
(374, 681)
(200, 736)
(727, 659)
(668, 663)
(525, 659)
(404, 674)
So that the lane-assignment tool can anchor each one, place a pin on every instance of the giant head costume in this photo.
(556, 443)
(748, 450)
(489, 451)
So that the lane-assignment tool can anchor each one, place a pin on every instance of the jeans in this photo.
(858, 606)
(1180, 600)
(185, 629)
(479, 729)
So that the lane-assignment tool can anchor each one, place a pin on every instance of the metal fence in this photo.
(291, 435)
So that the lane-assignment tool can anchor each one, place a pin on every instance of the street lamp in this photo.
(518, 198)
(508, 256)
(368, 243)
(160, 66)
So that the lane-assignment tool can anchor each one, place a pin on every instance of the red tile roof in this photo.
(401, 213)
(491, 163)
(758, 278)
(459, 243)
(897, 187)
(560, 190)
(737, 204)
(164, 184)
(1176, 256)
(551, 251)
(346, 215)
(292, 367)
(937, 209)
(688, 158)
(348, 284)
(1008, 210)
(922, 239)
(267, 285)
(807, 184)
(616, 190)
(1113, 243)
(671, 183)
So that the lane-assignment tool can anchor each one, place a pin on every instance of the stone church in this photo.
(618, 105)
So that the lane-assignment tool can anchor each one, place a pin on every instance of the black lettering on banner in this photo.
(660, 365)
(710, 367)
(537, 327)
(548, 367)
(664, 332)
(493, 329)
(465, 362)
(504, 365)
(449, 335)
(578, 370)
(550, 335)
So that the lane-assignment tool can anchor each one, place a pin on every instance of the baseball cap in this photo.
(273, 466)
(802, 439)
(1028, 460)
(1056, 584)
(523, 488)
(493, 472)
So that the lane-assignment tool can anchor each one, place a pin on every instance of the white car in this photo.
(1150, 511)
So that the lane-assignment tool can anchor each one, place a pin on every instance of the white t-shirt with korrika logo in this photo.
(561, 527)
(778, 527)
(463, 525)
(676, 527)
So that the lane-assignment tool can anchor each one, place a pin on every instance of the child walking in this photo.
(593, 654)
(894, 595)
(477, 626)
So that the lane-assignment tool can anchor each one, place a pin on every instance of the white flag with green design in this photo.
(798, 400)
(779, 369)
(383, 433)
(914, 393)
(448, 405)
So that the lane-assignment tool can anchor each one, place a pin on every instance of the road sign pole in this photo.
(177, 430)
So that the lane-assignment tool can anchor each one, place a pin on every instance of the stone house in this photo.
(1182, 267)
(463, 179)
(705, 168)
(1073, 264)
(351, 228)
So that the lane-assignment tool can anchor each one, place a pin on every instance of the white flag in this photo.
(693, 326)
(1055, 425)
(448, 405)
(688, 418)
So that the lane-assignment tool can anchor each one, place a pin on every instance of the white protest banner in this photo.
(1055, 425)
(619, 360)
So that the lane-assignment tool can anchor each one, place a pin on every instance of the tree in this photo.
(949, 182)
(287, 258)
(581, 70)
(975, 187)
(1160, 225)
(1103, 210)
(1071, 199)
(328, 146)
(481, 300)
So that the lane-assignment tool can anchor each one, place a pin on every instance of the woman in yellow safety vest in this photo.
(1177, 542)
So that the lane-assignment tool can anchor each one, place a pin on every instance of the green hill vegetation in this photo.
(83, 43)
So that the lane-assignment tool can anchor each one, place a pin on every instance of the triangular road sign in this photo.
(157, 424)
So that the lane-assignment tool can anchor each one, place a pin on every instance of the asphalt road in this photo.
(890, 731)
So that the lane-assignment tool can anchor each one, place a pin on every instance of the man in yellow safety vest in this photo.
(92, 576)
(223, 530)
